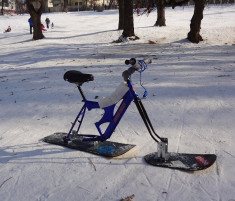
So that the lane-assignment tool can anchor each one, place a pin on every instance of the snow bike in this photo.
(123, 95)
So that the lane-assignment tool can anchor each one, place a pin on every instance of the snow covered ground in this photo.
(191, 101)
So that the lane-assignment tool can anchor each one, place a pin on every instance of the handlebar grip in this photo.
(136, 66)
(148, 61)
(132, 61)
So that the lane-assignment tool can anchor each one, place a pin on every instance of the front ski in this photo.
(106, 148)
(182, 161)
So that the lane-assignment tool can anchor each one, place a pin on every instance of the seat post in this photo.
(81, 92)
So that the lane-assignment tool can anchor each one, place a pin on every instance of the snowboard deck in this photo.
(183, 161)
(106, 148)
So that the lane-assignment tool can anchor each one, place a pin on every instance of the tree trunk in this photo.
(2, 8)
(36, 17)
(66, 6)
(195, 26)
(161, 20)
(121, 15)
(128, 19)
(110, 4)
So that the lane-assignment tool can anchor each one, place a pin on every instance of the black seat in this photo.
(77, 77)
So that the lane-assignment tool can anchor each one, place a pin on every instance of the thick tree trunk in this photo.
(66, 6)
(2, 8)
(195, 26)
(121, 15)
(110, 4)
(161, 20)
(36, 17)
(128, 19)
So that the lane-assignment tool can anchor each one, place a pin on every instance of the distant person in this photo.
(8, 29)
(52, 25)
(138, 11)
(30, 25)
(149, 10)
(43, 27)
(47, 22)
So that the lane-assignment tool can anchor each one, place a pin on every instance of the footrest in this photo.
(106, 148)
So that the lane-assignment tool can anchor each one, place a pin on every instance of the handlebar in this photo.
(137, 65)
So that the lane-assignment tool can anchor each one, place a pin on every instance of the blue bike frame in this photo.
(124, 92)
(108, 116)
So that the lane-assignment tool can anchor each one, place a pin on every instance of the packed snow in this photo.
(191, 101)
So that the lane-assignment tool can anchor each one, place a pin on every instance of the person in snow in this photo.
(149, 11)
(138, 11)
(8, 29)
(30, 25)
(43, 27)
(47, 22)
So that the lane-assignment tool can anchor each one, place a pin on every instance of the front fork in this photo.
(162, 153)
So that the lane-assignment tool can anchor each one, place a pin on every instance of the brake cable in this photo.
(143, 66)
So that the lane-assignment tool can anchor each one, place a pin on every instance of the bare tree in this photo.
(66, 6)
(126, 21)
(36, 8)
(128, 30)
(2, 9)
(195, 26)
(161, 20)
(121, 15)
(20, 7)
(110, 4)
